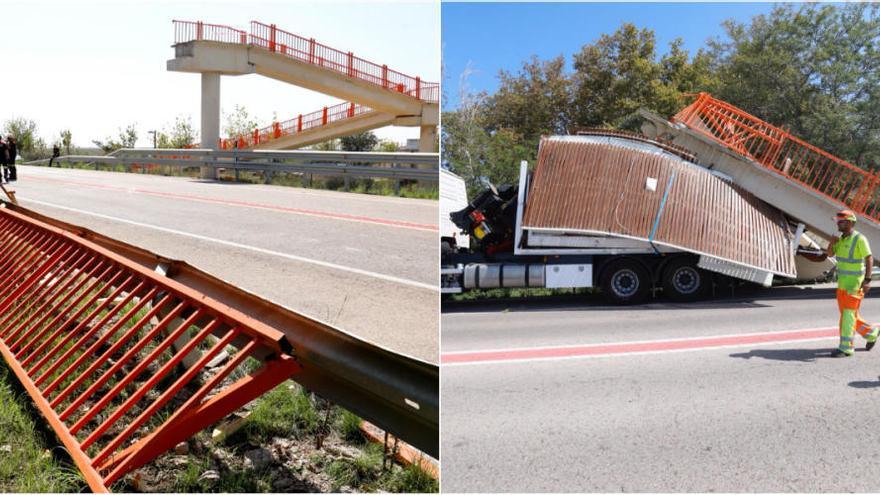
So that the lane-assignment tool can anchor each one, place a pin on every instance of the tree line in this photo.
(178, 134)
(810, 68)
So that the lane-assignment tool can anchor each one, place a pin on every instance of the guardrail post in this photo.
(243, 37)
(312, 50)
(350, 64)
(324, 117)
(267, 177)
(299, 123)
(346, 181)
(418, 88)
(272, 31)
(397, 187)
(385, 76)
(199, 28)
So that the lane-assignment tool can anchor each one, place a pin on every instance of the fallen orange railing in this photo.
(779, 150)
(123, 362)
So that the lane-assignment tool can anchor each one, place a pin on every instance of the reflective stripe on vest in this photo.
(845, 264)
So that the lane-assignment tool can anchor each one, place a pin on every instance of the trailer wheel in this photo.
(625, 281)
(683, 281)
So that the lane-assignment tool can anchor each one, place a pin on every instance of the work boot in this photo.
(837, 353)
(870, 345)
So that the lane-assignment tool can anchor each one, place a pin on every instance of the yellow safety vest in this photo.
(850, 254)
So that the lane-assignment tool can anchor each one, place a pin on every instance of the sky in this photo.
(489, 37)
(95, 67)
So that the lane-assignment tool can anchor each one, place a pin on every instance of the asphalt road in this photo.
(724, 396)
(366, 264)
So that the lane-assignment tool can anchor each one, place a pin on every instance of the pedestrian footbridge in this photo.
(376, 96)
(806, 183)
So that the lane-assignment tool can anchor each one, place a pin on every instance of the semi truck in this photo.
(623, 213)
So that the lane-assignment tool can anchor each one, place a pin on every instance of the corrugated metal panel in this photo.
(598, 185)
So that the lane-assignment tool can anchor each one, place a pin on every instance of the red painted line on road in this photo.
(248, 204)
(622, 348)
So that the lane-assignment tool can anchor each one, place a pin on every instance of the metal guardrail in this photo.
(325, 163)
(49, 259)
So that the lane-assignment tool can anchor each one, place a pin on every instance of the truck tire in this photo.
(683, 281)
(625, 281)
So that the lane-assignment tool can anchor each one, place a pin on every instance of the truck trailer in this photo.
(624, 213)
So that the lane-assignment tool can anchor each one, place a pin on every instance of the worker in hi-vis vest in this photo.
(854, 265)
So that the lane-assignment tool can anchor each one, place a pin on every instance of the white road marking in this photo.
(326, 264)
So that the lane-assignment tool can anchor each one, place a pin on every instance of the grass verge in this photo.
(26, 461)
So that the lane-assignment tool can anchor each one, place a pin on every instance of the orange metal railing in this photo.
(269, 37)
(199, 31)
(296, 125)
(115, 355)
(779, 150)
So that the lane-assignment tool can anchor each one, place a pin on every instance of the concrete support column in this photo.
(210, 129)
(428, 139)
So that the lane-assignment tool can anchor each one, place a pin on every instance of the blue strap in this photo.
(852, 247)
(662, 206)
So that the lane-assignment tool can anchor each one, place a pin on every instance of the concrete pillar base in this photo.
(428, 139)
(210, 129)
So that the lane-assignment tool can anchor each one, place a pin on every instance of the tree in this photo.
(181, 135)
(364, 141)
(239, 123)
(533, 102)
(387, 146)
(812, 68)
(66, 137)
(479, 156)
(127, 139)
(24, 131)
(331, 145)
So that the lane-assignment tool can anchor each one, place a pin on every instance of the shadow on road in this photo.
(865, 384)
(744, 299)
(801, 355)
